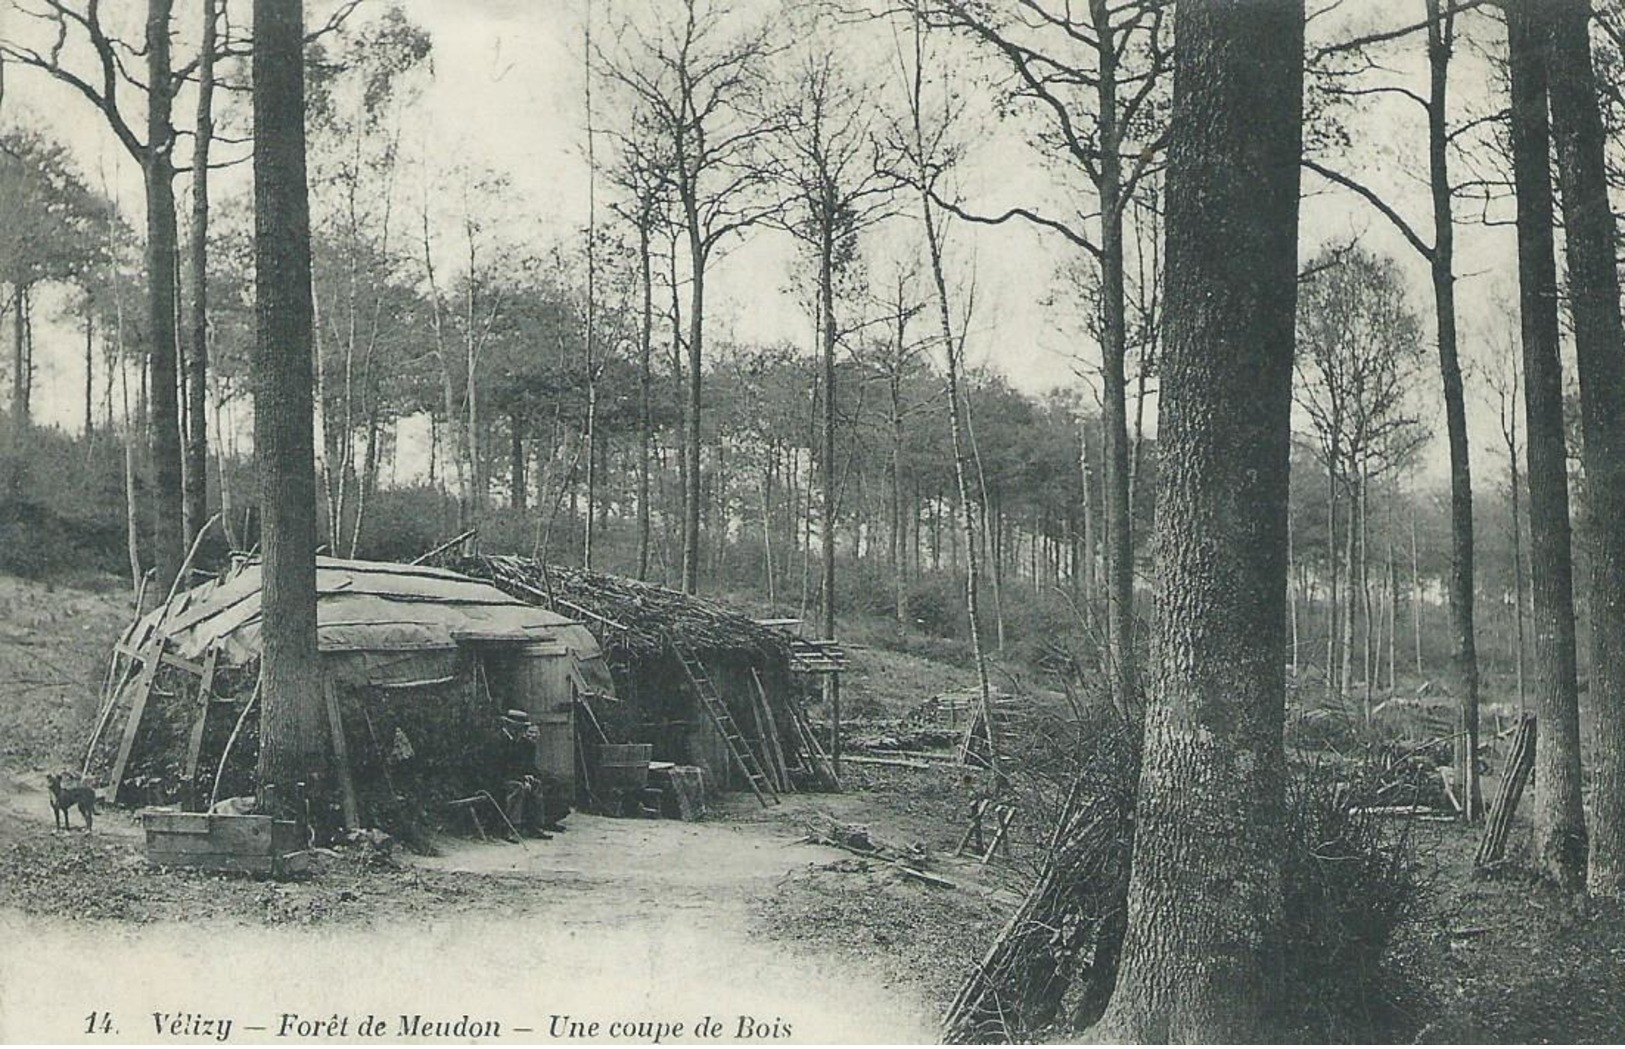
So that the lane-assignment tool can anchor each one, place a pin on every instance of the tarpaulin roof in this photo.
(369, 606)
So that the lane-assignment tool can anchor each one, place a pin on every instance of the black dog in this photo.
(64, 799)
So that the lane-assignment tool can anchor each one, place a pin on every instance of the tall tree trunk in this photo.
(1113, 351)
(1345, 679)
(684, 482)
(1088, 512)
(516, 459)
(767, 524)
(90, 373)
(1368, 651)
(1292, 599)
(196, 509)
(899, 530)
(1464, 660)
(132, 531)
(1393, 610)
(691, 419)
(369, 479)
(1517, 567)
(1560, 833)
(1204, 908)
(293, 731)
(1334, 595)
(645, 394)
(956, 401)
(1416, 592)
(22, 369)
(162, 253)
(827, 472)
(591, 436)
(1590, 237)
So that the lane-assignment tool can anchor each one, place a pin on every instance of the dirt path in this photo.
(611, 921)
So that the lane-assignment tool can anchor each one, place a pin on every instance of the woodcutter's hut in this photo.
(437, 686)
(666, 651)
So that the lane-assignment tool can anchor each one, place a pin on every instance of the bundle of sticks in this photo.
(1068, 929)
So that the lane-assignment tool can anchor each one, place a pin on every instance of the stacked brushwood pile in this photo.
(652, 639)
(631, 618)
(1065, 936)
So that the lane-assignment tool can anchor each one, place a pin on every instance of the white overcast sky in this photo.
(507, 95)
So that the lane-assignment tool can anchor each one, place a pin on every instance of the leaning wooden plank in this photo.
(194, 745)
(127, 673)
(775, 744)
(1001, 836)
(1520, 763)
(341, 756)
(138, 707)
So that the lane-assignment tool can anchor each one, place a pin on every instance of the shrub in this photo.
(1349, 883)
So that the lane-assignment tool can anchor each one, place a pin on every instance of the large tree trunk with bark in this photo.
(1591, 234)
(1205, 893)
(162, 253)
(1560, 834)
(293, 730)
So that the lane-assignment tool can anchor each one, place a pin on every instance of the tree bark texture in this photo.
(827, 472)
(1205, 893)
(1591, 234)
(293, 728)
(1560, 834)
(196, 503)
(162, 255)
(645, 393)
(691, 414)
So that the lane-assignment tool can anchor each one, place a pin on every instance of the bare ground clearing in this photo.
(612, 919)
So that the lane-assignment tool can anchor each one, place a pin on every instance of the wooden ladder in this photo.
(717, 708)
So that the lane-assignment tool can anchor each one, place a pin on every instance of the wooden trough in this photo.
(220, 842)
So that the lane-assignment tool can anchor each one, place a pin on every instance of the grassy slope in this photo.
(54, 646)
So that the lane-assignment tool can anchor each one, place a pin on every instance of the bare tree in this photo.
(826, 159)
(700, 79)
(638, 172)
(1338, 80)
(154, 153)
(1095, 76)
(924, 148)
(1358, 362)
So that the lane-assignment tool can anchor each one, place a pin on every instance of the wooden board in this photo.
(212, 841)
(341, 754)
(138, 707)
(194, 744)
(214, 861)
